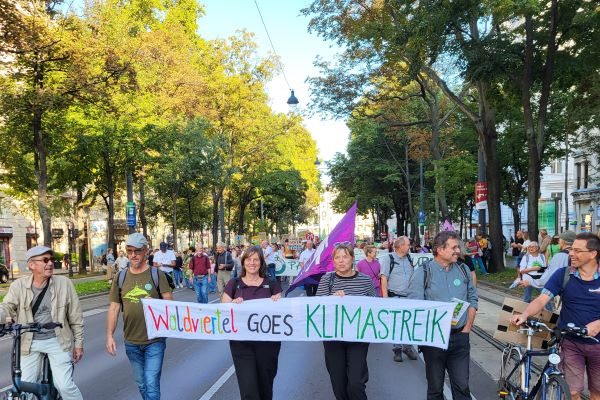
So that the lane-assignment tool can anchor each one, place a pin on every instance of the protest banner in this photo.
(285, 267)
(348, 318)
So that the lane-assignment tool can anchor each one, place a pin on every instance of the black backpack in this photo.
(427, 275)
(155, 280)
(393, 262)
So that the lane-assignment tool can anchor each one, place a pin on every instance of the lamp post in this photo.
(591, 213)
(70, 237)
(520, 205)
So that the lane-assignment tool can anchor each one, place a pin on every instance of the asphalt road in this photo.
(203, 370)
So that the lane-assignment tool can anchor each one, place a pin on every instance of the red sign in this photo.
(481, 195)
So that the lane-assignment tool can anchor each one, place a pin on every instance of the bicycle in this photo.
(515, 372)
(44, 390)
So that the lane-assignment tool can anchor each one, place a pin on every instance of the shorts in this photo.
(577, 358)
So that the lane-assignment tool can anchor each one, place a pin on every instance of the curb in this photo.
(499, 288)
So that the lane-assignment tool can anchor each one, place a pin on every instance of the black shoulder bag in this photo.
(39, 299)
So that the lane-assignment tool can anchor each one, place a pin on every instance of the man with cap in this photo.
(558, 261)
(44, 298)
(145, 355)
(165, 259)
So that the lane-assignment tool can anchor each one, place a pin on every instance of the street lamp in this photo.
(292, 100)
(520, 205)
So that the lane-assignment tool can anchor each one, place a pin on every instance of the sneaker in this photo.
(410, 352)
(398, 356)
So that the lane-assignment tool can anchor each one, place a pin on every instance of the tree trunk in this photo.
(216, 195)
(222, 218)
(496, 263)
(40, 164)
(174, 219)
(142, 209)
(410, 215)
(241, 217)
(190, 220)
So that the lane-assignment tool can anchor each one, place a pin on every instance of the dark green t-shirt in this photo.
(136, 287)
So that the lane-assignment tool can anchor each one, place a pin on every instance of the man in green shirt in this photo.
(140, 281)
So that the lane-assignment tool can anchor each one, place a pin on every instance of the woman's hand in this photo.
(276, 297)
(239, 300)
(339, 293)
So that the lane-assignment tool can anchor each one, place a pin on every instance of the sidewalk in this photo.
(63, 272)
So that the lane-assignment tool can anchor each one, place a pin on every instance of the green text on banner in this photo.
(349, 318)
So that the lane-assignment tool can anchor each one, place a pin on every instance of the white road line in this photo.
(94, 312)
(217, 385)
(4, 389)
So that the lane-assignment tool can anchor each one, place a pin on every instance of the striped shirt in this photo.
(358, 284)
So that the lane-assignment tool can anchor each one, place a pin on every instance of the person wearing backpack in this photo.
(396, 270)
(138, 281)
(201, 275)
(579, 288)
(346, 362)
(559, 260)
(443, 279)
(255, 362)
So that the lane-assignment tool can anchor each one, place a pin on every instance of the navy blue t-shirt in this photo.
(580, 300)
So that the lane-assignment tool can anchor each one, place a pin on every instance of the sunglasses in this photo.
(137, 252)
(344, 244)
(45, 259)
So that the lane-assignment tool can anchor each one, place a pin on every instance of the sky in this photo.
(296, 48)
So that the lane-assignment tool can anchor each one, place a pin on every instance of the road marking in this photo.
(94, 312)
(217, 385)
(4, 389)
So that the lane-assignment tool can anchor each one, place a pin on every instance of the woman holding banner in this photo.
(346, 361)
(255, 361)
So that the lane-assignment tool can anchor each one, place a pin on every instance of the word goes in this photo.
(273, 324)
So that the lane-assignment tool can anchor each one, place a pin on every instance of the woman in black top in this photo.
(346, 361)
(255, 361)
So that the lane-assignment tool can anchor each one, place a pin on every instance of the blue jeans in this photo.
(147, 360)
(178, 277)
(478, 262)
(212, 286)
(201, 288)
(528, 295)
(271, 271)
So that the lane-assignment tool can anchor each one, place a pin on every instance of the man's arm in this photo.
(10, 304)
(75, 318)
(473, 300)
(532, 309)
(111, 325)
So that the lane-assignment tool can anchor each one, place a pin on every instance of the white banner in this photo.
(351, 318)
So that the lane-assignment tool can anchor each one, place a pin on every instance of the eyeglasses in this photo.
(578, 251)
(344, 244)
(137, 252)
(45, 259)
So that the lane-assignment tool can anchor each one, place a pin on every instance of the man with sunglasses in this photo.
(578, 286)
(139, 281)
(43, 298)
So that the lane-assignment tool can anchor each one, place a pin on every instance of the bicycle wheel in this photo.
(512, 383)
(557, 388)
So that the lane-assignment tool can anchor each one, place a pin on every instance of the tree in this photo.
(52, 60)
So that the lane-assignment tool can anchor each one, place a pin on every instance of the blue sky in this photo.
(296, 48)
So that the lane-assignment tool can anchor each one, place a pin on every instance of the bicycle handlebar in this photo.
(33, 327)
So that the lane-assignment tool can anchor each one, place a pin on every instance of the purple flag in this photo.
(448, 226)
(322, 262)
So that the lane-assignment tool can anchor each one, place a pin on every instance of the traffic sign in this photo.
(130, 209)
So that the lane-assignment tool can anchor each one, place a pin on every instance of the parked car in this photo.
(3, 273)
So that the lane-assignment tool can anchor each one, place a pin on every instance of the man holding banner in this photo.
(396, 271)
(443, 279)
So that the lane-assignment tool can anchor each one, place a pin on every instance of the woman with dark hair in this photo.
(255, 361)
(346, 362)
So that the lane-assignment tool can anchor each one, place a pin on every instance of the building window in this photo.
(556, 167)
(556, 195)
(586, 167)
(578, 174)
